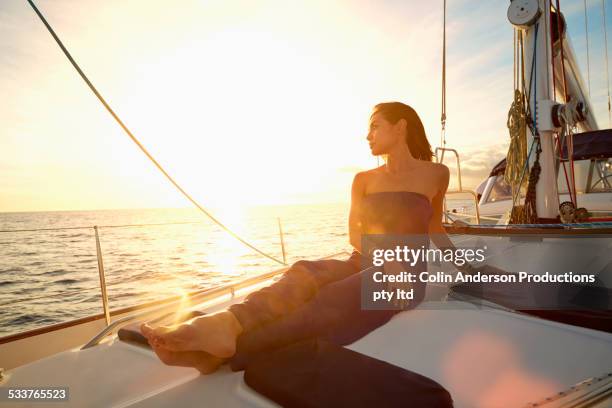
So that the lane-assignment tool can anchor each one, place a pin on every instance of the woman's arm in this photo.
(437, 232)
(357, 193)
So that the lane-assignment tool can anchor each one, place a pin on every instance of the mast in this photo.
(533, 17)
(542, 47)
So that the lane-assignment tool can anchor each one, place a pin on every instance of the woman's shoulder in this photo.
(442, 175)
(440, 168)
(437, 173)
(364, 175)
(433, 167)
(426, 167)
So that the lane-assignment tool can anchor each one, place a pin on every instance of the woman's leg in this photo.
(297, 286)
(217, 333)
(335, 313)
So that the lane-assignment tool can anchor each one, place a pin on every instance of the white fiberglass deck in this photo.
(484, 357)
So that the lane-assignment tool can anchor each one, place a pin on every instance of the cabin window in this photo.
(500, 190)
(600, 176)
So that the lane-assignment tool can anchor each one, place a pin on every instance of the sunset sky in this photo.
(246, 102)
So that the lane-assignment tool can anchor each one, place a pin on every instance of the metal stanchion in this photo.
(102, 279)
(280, 229)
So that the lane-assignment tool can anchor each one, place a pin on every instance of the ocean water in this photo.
(50, 276)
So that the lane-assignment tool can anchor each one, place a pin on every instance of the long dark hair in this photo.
(416, 139)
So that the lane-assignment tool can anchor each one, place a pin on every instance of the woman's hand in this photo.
(396, 268)
(466, 268)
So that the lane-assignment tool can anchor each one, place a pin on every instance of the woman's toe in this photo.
(146, 330)
(182, 338)
(203, 362)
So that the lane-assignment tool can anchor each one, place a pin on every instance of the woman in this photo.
(322, 298)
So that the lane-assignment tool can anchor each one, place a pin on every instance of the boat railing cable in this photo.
(100, 258)
(443, 114)
(49, 295)
(461, 190)
(586, 35)
(206, 292)
(137, 142)
(66, 293)
(560, 226)
(605, 30)
(199, 297)
(102, 226)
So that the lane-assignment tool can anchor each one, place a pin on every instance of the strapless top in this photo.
(402, 216)
(395, 212)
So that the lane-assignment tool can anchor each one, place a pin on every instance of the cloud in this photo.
(476, 164)
(351, 169)
(373, 50)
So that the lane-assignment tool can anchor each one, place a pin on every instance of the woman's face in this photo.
(382, 135)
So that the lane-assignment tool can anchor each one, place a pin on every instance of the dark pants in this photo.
(313, 299)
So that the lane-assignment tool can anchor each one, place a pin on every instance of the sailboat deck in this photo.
(484, 357)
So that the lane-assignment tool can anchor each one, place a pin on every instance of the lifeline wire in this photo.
(443, 116)
(144, 150)
(586, 34)
(603, 7)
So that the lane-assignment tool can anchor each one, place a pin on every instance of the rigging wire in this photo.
(549, 51)
(570, 133)
(586, 33)
(103, 226)
(560, 34)
(603, 6)
(443, 116)
(517, 121)
(550, 45)
(566, 135)
(137, 142)
(514, 58)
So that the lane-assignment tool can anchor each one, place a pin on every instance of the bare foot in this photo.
(205, 363)
(215, 334)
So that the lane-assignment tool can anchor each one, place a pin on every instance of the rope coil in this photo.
(519, 118)
(517, 152)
